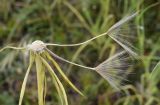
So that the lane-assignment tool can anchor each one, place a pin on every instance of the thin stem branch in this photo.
(11, 47)
(60, 58)
(78, 44)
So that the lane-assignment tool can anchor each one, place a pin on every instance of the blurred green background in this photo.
(74, 21)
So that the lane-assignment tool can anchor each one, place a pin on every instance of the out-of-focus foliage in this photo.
(73, 21)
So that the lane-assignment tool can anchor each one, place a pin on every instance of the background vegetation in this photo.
(73, 21)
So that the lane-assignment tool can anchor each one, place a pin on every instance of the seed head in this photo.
(37, 46)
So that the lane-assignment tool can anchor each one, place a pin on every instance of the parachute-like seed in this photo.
(114, 69)
(123, 34)
(117, 33)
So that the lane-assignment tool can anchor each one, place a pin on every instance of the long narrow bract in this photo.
(40, 79)
(60, 88)
(63, 75)
(25, 78)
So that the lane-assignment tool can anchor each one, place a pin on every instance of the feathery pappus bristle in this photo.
(124, 34)
(114, 69)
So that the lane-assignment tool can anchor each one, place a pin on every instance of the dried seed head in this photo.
(37, 46)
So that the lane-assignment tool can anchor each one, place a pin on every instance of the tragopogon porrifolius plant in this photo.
(111, 69)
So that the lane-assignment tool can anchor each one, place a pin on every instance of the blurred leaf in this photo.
(6, 99)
